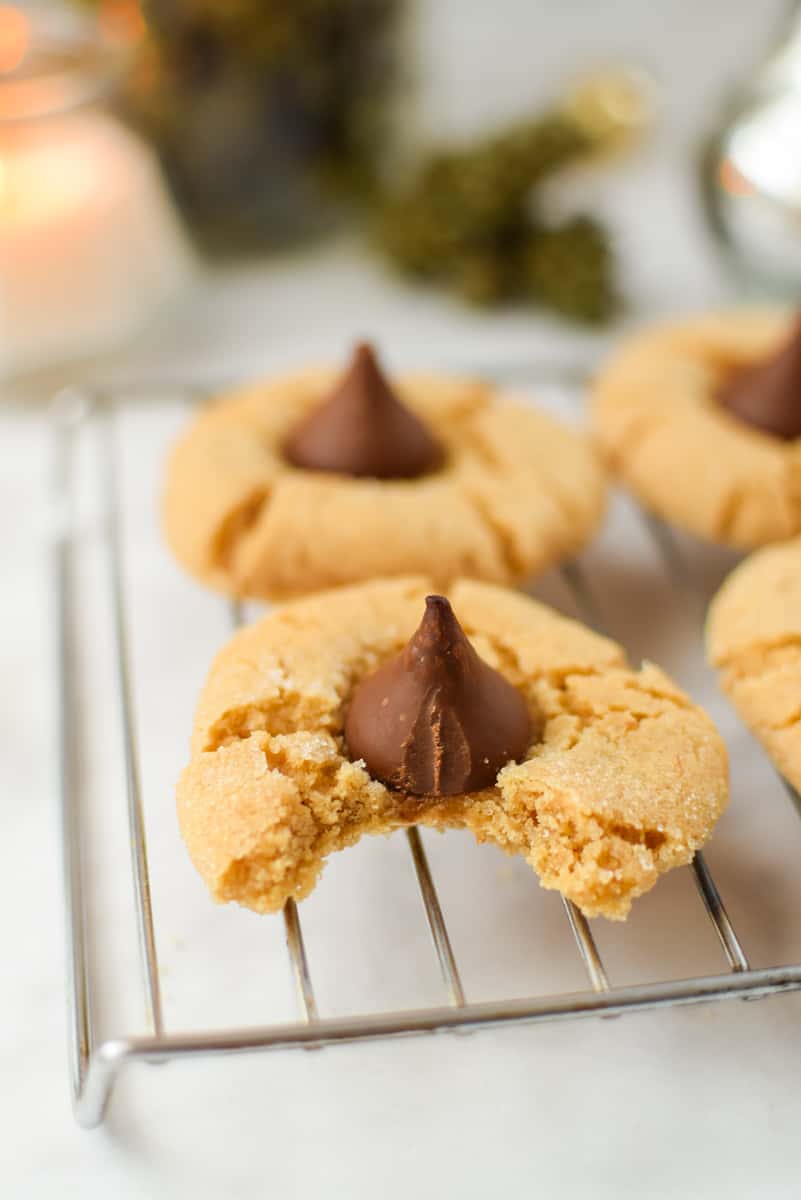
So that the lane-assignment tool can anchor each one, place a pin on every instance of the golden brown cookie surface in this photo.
(626, 781)
(754, 640)
(667, 437)
(518, 491)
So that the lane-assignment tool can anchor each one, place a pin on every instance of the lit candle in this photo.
(13, 37)
(89, 245)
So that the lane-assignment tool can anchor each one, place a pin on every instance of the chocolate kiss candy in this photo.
(363, 429)
(436, 720)
(768, 396)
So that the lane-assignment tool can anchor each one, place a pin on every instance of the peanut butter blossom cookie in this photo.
(754, 640)
(702, 420)
(316, 480)
(372, 707)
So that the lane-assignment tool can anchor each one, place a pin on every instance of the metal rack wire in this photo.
(95, 1065)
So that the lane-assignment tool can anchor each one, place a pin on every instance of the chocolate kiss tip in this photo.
(440, 615)
(437, 720)
(364, 352)
(767, 396)
(362, 429)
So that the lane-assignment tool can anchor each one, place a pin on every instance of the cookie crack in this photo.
(739, 662)
(506, 655)
(504, 541)
(571, 508)
(647, 837)
(236, 526)
(585, 711)
(475, 442)
(786, 723)
(682, 703)
(559, 677)
(630, 440)
(274, 719)
(729, 512)
(651, 839)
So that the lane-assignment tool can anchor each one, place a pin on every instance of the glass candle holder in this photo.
(90, 246)
(751, 173)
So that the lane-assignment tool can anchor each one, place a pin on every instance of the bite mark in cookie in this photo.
(624, 780)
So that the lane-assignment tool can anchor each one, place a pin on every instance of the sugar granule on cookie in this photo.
(600, 776)
(320, 479)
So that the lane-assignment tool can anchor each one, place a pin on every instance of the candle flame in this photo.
(14, 37)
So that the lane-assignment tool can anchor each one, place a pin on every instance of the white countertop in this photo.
(699, 1103)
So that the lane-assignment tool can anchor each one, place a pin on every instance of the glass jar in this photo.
(89, 244)
(752, 173)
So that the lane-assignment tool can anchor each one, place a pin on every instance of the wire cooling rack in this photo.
(95, 1064)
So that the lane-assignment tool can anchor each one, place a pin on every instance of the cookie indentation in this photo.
(509, 492)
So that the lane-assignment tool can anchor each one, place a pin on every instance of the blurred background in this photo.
(187, 185)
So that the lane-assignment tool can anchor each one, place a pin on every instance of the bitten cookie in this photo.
(312, 481)
(701, 418)
(754, 640)
(613, 777)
